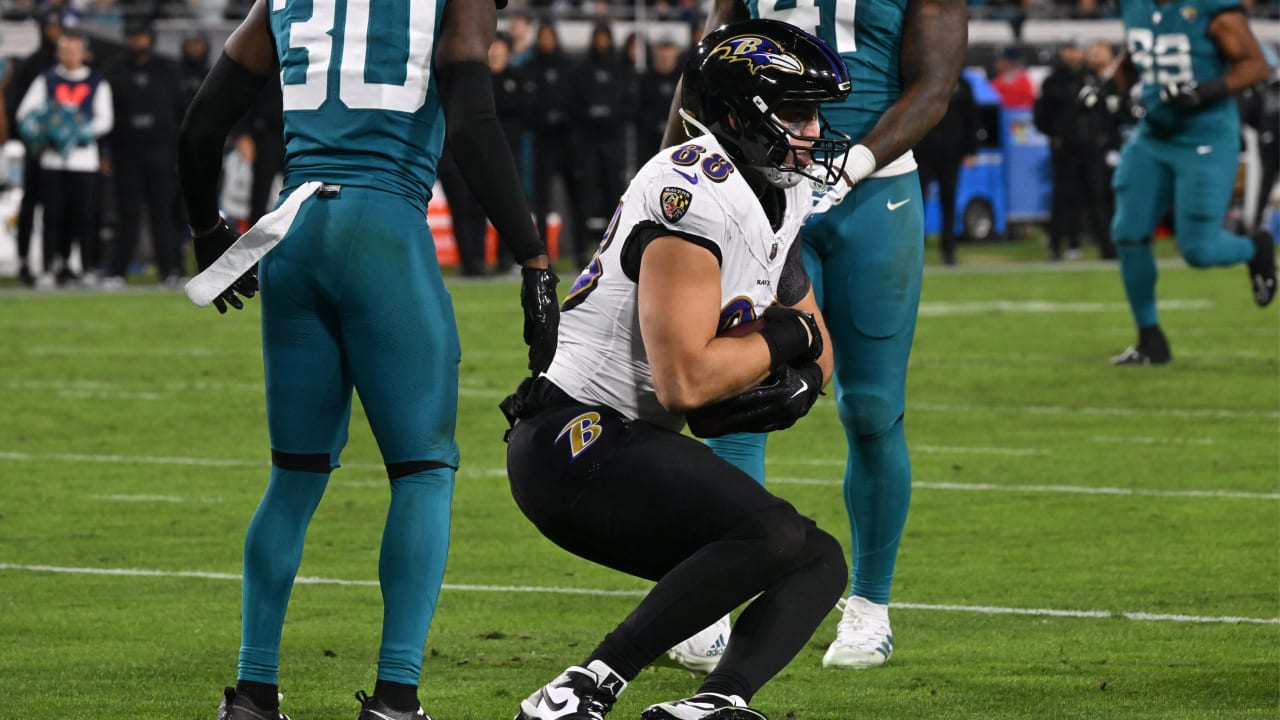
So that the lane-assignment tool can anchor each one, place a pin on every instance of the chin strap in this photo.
(691, 120)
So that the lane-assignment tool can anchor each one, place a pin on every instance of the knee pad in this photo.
(868, 416)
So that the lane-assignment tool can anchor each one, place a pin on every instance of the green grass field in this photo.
(1084, 541)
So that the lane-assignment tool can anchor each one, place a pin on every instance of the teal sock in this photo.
(877, 493)
(272, 553)
(744, 451)
(415, 545)
(1138, 271)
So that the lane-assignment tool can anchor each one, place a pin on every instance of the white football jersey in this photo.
(691, 191)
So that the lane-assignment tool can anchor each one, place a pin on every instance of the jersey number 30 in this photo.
(394, 78)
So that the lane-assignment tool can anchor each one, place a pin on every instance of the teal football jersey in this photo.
(360, 104)
(868, 35)
(1170, 43)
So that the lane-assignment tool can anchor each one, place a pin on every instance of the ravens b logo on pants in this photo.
(582, 432)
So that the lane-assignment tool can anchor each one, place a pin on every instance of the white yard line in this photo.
(1024, 307)
(1068, 489)
(1123, 440)
(978, 609)
(1095, 411)
(500, 472)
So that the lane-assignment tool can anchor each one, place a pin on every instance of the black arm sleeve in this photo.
(227, 93)
(794, 283)
(475, 136)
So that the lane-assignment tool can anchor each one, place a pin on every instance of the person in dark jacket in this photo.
(31, 68)
(555, 145)
(941, 153)
(1071, 111)
(657, 88)
(148, 109)
(601, 94)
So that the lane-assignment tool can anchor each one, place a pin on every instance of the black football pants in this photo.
(659, 505)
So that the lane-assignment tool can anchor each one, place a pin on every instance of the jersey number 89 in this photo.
(401, 57)
(1161, 59)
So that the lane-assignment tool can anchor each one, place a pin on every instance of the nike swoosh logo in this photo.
(803, 387)
(895, 205)
(693, 179)
(381, 715)
(551, 703)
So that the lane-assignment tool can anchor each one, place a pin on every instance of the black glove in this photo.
(775, 404)
(792, 336)
(209, 247)
(1189, 94)
(541, 316)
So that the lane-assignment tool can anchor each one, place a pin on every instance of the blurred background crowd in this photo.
(94, 91)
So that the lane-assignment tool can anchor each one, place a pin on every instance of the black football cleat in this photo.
(372, 708)
(577, 694)
(239, 707)
(1262, 268)
(1152, 349)
(698, 707)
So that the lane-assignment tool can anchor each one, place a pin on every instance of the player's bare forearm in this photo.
(1246, 64)
(934, 36)
(722, 12)
(678, 301)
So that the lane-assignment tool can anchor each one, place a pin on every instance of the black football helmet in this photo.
(747, 70)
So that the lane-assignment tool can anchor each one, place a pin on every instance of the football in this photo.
(744, 328)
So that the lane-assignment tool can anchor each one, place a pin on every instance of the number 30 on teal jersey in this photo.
(403, 55)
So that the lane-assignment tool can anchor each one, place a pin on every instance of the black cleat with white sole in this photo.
(372, 708)
(579, 693)
(236, 706)
(1152, 349)
(699, 707)
(1262, 268)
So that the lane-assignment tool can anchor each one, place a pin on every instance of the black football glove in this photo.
(541, 315)
(1189, 94)
(775, 404)
(209, 247)
(792, 335)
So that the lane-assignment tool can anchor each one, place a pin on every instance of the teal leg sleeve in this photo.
(744, 451)
(1202, 193)
(1138, 271)
(866, 262)
(272, 553)
(415, 545)
(877, 493)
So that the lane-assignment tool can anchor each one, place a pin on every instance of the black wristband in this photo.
(790, 334)
(1212, 90)
(478, 144)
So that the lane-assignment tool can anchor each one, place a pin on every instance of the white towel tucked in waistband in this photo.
(249, 249)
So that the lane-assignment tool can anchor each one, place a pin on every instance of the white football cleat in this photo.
(863, 638)
(702, 652)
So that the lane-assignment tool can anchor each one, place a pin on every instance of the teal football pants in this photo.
(352, 298)
(865, 258)
(1197, 181)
